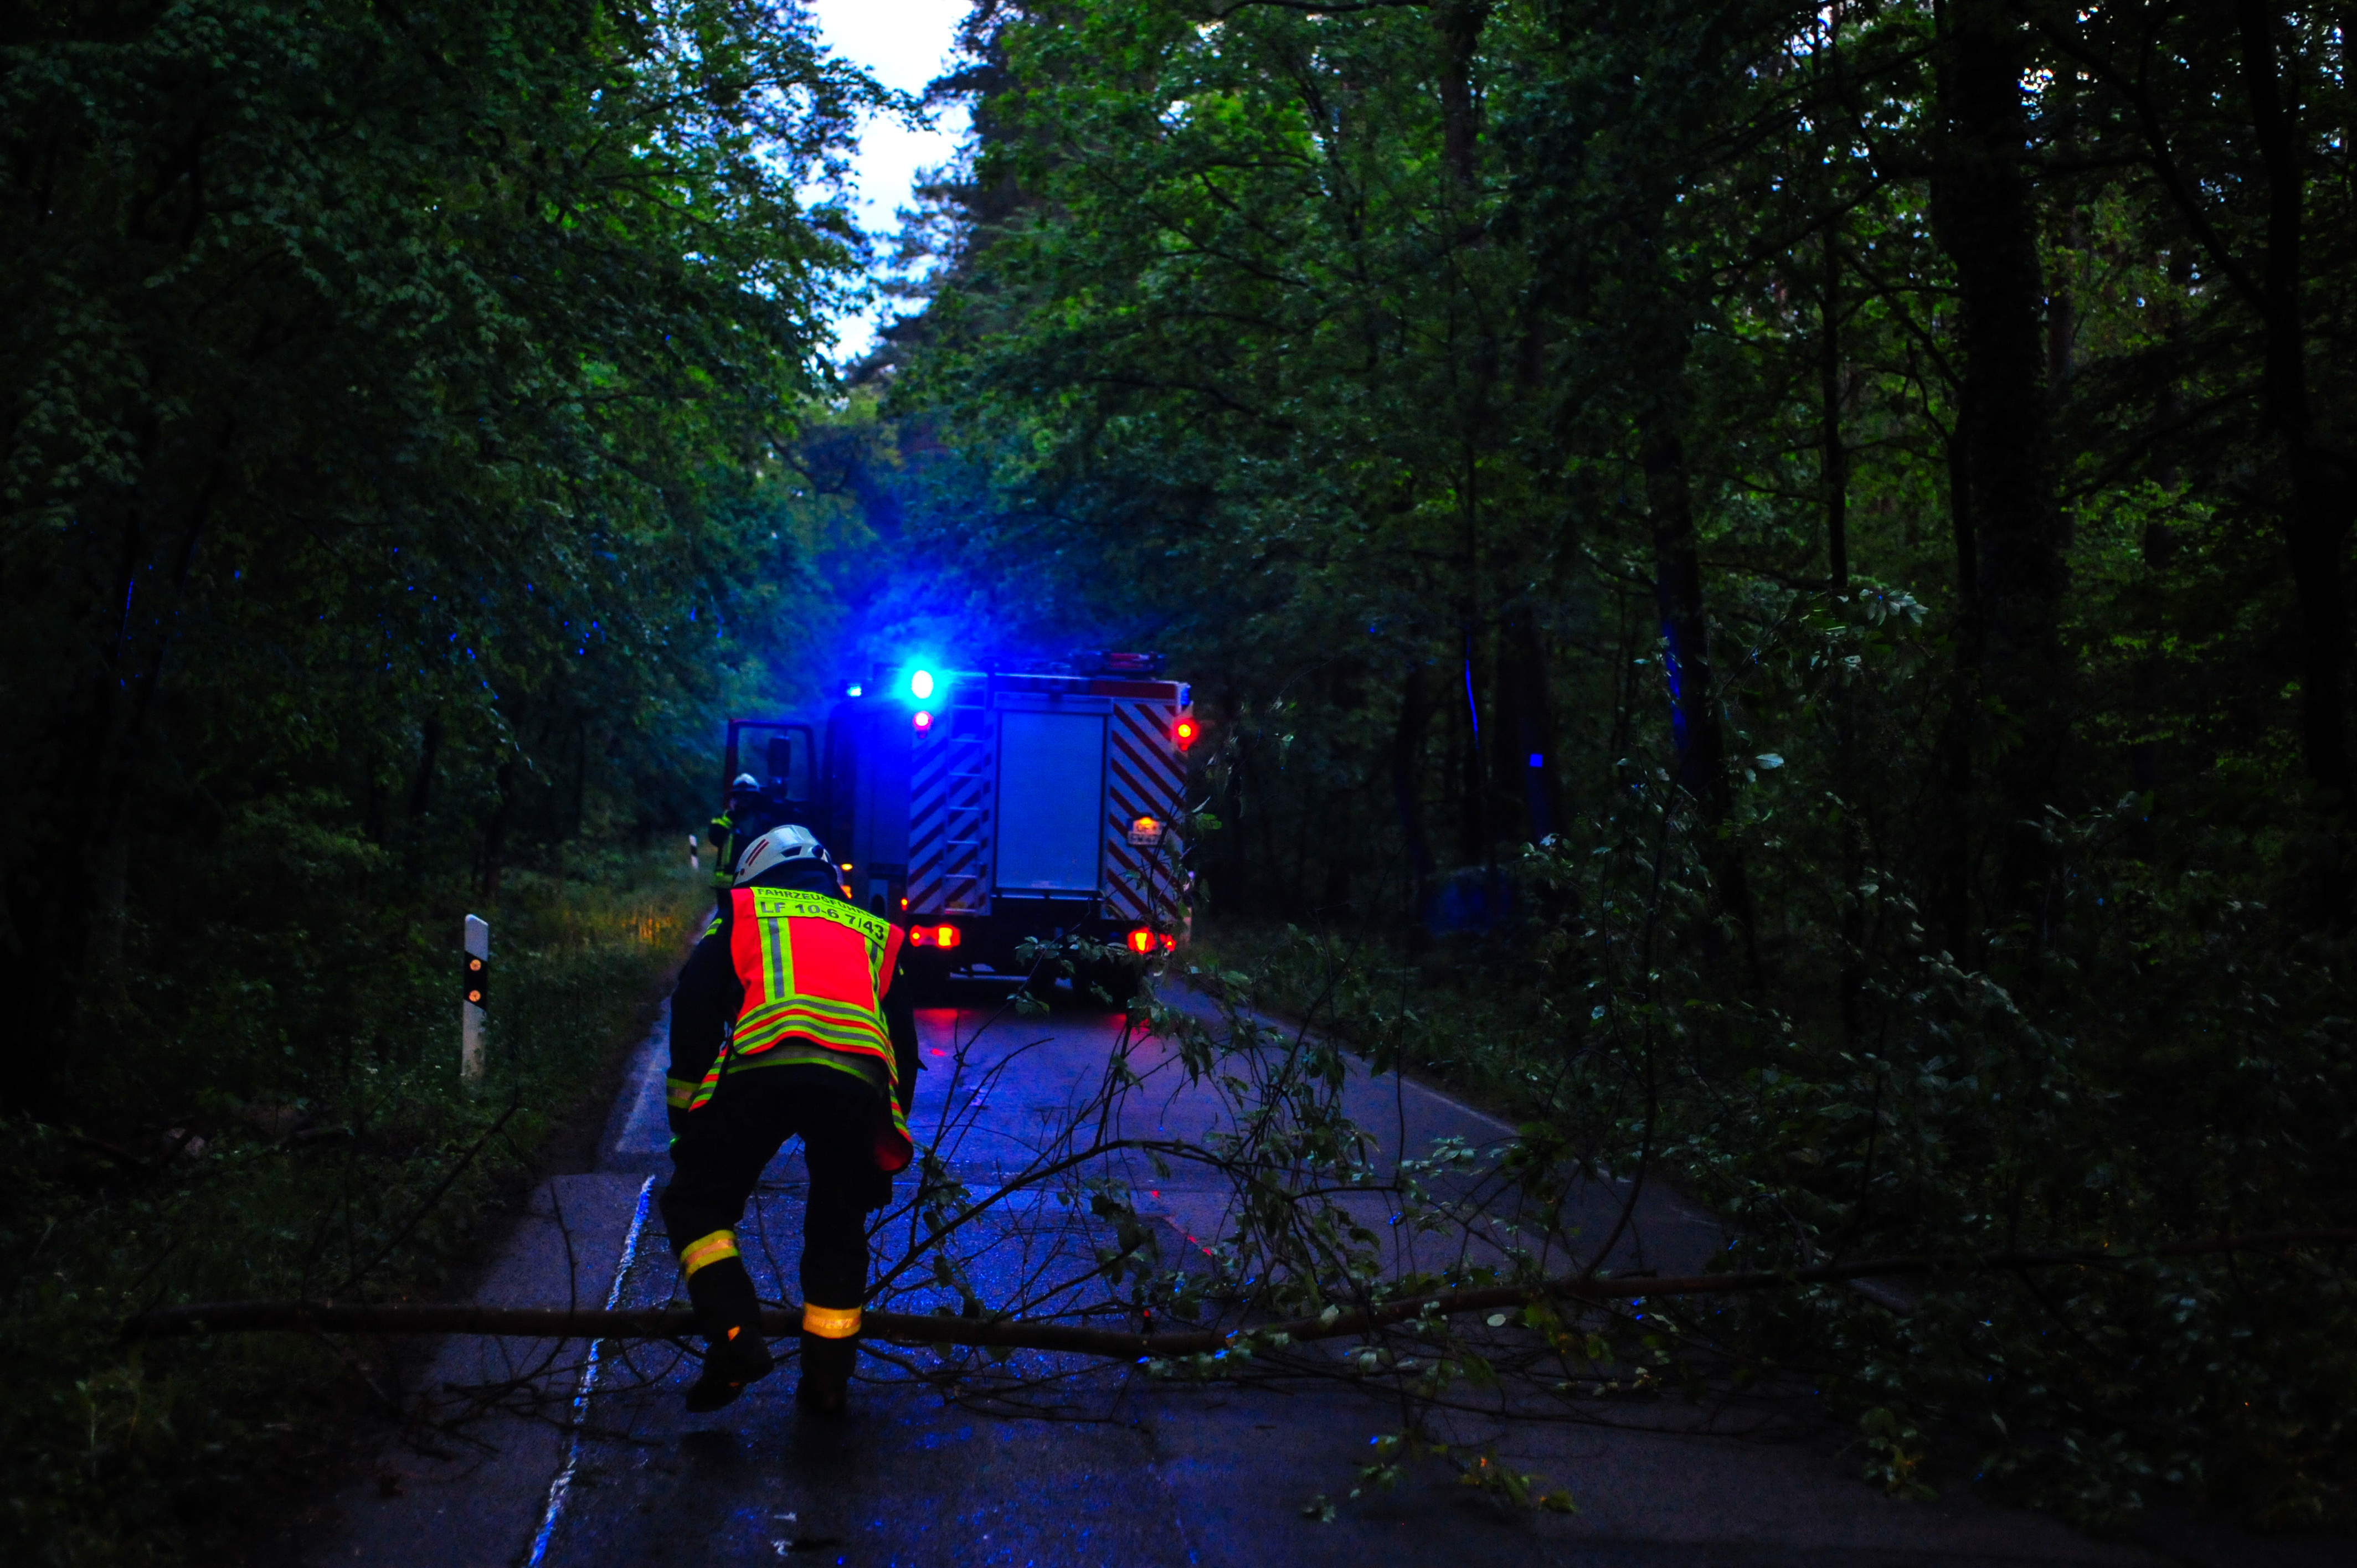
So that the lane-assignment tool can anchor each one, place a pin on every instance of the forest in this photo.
(1766, 583)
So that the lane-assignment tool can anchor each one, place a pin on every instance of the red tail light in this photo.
(1141, 941)
(1184, 732)
(923, 720)
(947, 936)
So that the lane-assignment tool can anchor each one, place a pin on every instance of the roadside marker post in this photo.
(473, 998)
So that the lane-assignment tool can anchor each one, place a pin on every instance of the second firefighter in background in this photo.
(786, 1021)
(745, 819)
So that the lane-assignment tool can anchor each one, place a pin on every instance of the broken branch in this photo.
(917, 1329)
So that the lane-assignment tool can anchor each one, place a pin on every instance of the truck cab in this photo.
(782, 756)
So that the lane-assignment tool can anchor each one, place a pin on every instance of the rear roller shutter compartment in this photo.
(1049, 797)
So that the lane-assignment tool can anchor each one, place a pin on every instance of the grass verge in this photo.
(308, 1159)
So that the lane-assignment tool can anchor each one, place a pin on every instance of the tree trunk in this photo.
(2323, 487)
(1407, 763)
(60, 953)
(1982, 216)
(493, 859)
(1459, 23)
(1835, 456)
(1694, 729)
(429, 752)
(581, 771)
(1699, 738)
(1851, 980)
(1475, 841)
(1525, 726)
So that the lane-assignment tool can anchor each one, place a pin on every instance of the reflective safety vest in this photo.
(814, 969)
(722, 836)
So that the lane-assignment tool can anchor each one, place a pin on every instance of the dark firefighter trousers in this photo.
(724, 1146)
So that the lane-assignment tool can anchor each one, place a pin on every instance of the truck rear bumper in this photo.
(993, 943)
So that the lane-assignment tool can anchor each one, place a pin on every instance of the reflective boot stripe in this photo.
(678, 1092)
(830, 1322)
(710, 1249)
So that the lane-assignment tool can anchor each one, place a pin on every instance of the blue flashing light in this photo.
(1538, 760)
(920, 684)
(851, 690)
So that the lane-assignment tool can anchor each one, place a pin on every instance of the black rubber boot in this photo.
(728, 1316)
(826, 1374)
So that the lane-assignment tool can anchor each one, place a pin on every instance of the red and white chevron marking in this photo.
(949, 817)
(1142, 778)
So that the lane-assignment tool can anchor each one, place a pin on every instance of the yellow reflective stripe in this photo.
(678, 1092)
(861, 1068)
(707, 1250)
(850, 1015)
(829, 1024)
(847, 1014)
(713, 928)
(776, 958)
(830, 1322)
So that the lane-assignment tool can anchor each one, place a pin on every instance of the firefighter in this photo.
(785, 1021)
(738, 825)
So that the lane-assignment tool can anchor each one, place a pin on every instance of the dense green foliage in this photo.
(1772, 577)
(1779, 572)
(398, 490)
(394, 409)
(367, 1171)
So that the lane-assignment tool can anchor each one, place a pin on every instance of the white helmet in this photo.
(778, 846)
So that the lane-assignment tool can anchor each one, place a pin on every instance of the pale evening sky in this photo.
(905, 43)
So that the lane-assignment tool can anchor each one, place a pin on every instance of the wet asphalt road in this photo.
(1124, 1470)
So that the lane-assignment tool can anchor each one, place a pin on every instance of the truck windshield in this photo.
(779, 756)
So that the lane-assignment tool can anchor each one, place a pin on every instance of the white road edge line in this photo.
(563, 1482)
(643, 1130)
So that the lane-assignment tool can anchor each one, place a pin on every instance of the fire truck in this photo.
(981, 808)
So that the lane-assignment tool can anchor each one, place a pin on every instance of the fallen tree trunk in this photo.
(914, 1328)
